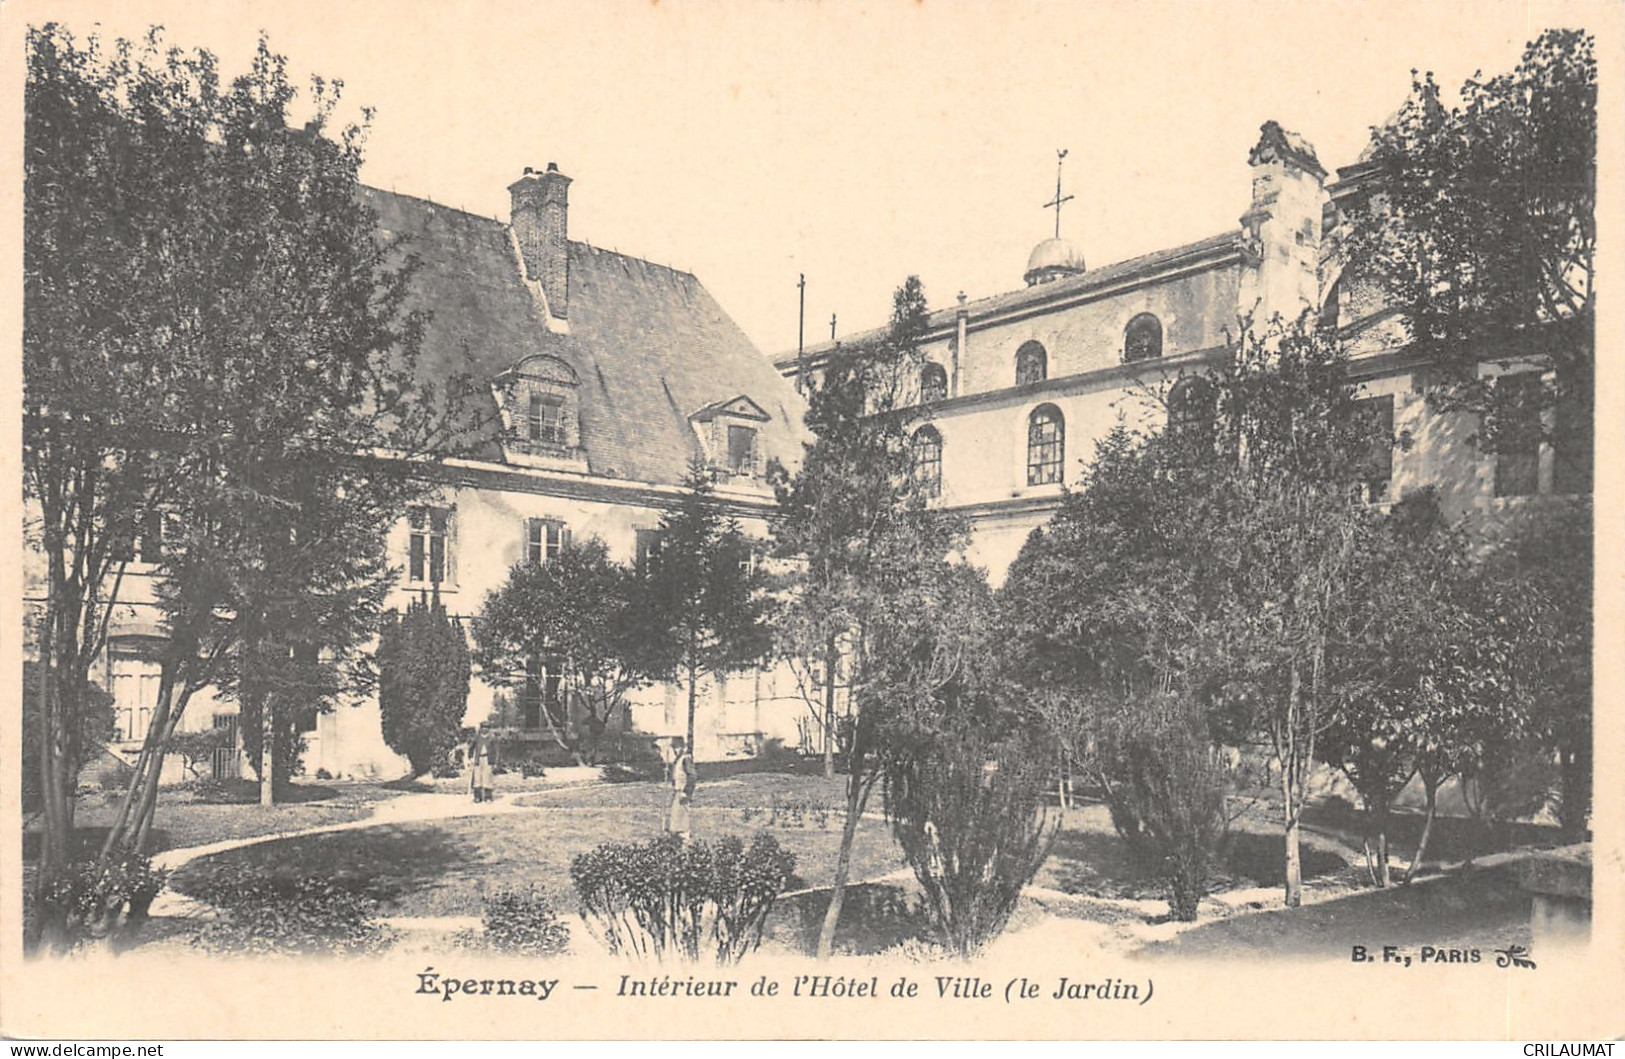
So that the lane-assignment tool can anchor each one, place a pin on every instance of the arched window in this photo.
(1190, 407)
(933, 383)
(1142, 339)
(1032, 364)
(1046, 445)
(926, 448)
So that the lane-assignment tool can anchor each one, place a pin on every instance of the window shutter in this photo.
(450, 571)
(525, 536)
(564, 536)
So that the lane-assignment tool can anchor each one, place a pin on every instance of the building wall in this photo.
(1194, 308)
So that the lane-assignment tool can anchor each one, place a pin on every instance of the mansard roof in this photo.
(648, 343)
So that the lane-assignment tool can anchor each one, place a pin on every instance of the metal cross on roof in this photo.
(1057, 202)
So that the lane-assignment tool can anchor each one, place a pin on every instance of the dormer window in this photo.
(741, 449)
(544, 423)
(730, 436)
(543, 408)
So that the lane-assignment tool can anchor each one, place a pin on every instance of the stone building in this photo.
(607, 376)
(1017, 388)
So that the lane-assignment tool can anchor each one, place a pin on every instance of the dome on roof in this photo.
(1053, 259)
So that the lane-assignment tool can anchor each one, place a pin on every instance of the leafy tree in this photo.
(1480, 224)
(249, 347)
(966, 772)
(1541, 577)
(1108, 609)
(196, 749)
(97, 728)
(423, 672)
(1423, 674)
(583, 611)
(861, 538)
(1479, 221)
(705, 611)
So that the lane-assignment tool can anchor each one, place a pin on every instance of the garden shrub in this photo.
(692, 900)
(129, 886)
(1168, 792)
(792, 813)
(1178, 784)
(524, 921)
(269, 914)
(972, 818)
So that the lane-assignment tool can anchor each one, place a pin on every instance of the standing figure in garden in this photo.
(682, 788)
(481, 761)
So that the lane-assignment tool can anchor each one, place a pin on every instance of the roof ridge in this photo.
(1080, 281)
(431, 202)
(632, 257)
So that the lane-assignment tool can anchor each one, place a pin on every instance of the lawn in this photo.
(193, 818)
(443, 868)
(1476, 909)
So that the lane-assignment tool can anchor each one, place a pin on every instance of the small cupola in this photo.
(1053, 259)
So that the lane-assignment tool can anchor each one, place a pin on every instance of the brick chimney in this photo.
(541, 224)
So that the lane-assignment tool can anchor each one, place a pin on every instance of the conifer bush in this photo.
(693, 900)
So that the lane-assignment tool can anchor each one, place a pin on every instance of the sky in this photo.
(856, 143)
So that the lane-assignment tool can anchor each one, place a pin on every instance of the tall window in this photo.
(1142, 339)
(1517, 434)
(1375, 465)
(428, 555)
(542, 690)
(926, 448)
(1046, 445)
(741, 449)
(545, 420)
(1032, 364)
(544, 539)
(1190, 408)
(933, 383)
(133, 677)
(648, 551)
(225, 764)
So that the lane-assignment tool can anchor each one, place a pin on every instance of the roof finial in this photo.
(1057, 202)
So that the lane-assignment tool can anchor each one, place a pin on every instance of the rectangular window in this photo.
(428, 551)
(1375, 466)
(1517, 434)
(741, 450)
(542, 690)
(152, 536)
(648, 551)
(544, 539)
(545, 419)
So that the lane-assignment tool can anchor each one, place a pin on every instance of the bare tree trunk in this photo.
(693, 700)
(857, 796)
(831, 661)
(1292, 793)
(1384, 875)
(50, 928)
(1431, 785)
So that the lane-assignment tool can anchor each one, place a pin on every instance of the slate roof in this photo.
(1055, 290)
(649, 344)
